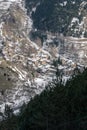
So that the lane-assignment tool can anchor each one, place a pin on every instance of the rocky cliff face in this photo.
(27, 66)
(24, 66)
(74, 49)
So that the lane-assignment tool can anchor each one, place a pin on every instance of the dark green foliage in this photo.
(31, 3)
(58, 107)
(57, 62)
(10, 123)
(51, 16)
(36, 34)
(8, 112)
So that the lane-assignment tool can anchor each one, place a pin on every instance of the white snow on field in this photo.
(8, 1)
(73, 2)
(40, 81)
(83, 4)
(64, 3)
(4, 5)
(75, 20)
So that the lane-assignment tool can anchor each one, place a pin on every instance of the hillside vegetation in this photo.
(58, 107)
(58, 15)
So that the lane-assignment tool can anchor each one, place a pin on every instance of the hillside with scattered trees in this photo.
(58, 107)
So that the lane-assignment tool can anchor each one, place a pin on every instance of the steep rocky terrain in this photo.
(27, 54)
(43, 41)
(64, 23)
(25, 67)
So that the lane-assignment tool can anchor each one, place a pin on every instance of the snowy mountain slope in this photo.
(64, 23)
(25, 67)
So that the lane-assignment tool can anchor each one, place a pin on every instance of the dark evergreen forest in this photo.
(51, 16)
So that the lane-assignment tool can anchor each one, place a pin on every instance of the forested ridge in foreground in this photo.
(58, 107)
